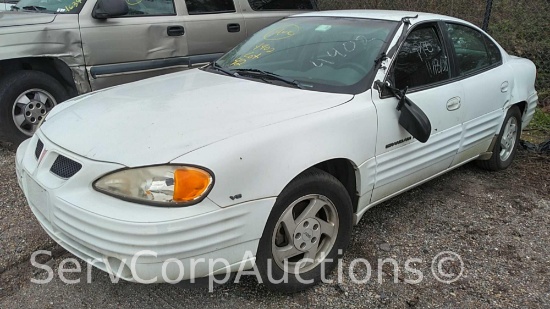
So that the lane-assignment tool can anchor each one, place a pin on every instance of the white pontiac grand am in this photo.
(276, 149)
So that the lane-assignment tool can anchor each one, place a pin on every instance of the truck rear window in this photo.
(209, 6)
(268, 5)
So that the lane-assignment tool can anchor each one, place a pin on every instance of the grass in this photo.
(538, 130)
(541, 121)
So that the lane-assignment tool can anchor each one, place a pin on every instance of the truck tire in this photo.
(25, 98)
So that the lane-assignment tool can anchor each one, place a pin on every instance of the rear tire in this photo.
(312, 218)
(25, 98)
(506, 147)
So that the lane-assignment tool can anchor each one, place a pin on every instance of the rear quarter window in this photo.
(291, 5)
(195, 7)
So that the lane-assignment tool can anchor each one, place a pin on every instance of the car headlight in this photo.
(164, 185)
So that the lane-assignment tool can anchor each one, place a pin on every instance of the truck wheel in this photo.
(25, 98)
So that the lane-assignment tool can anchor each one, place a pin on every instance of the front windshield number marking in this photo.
(251, 55)
(322, 62)
(264, 47)
(349, 47)
(133, 2)
(238, 62)
(282, 33)
(73, 5)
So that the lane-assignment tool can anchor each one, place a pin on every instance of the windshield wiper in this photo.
(218, 67)
(271, 75)
(34, 8)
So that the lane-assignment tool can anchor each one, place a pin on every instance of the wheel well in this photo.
(522, 107)
(344, 171)
(51, 66)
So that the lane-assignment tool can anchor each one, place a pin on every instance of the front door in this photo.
(422, 64)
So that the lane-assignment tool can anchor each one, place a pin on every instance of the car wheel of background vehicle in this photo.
(25, 98)
(310, 222)
(506, 147)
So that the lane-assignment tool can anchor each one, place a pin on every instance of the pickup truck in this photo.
(5, 5)
(52, 50)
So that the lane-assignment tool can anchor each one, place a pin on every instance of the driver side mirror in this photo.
(110, 8)
(412, 118)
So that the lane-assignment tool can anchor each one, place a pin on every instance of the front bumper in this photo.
(130, 240)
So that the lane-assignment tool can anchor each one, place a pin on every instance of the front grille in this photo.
(38, 150)
(65, 167)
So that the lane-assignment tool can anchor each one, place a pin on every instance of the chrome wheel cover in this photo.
(30, 108)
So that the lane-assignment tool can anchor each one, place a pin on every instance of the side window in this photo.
(195, 7)
(150, 7)
(472, 51)
(494, 52)
(267, 5)
(422, 60)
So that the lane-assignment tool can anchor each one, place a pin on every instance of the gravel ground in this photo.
(499, 223)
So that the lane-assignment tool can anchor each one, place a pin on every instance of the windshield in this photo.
(50, 6)
(318, 53)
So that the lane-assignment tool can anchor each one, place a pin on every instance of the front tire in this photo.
(310, 225)
(506, 147)
(25, 98)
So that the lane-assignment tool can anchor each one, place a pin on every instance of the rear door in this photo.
(213, 27)
(150, 40)
(487, 83)
(421, 64)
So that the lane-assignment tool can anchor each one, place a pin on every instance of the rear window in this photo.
(209, 6)
(268, 5)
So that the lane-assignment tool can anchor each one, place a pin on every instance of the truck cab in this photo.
(52, 50)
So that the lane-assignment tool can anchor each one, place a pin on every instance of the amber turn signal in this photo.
(190, 184)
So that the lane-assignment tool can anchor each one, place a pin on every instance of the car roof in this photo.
(382, 14)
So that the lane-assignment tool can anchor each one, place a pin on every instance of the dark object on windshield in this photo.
(542, 148)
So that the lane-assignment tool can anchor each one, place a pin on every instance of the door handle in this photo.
(453, 104)
(504, 87)
(175, 31)
(233, 28)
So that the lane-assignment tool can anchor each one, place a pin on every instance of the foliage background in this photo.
(521, 27)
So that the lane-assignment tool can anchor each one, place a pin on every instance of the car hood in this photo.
(9, 19)
(157, 120)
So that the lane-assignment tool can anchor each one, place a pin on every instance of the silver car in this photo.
(51, 50)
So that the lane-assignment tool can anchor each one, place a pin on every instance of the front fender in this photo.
(260, 163)
(59, 39)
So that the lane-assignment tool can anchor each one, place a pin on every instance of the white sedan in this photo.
(267, 157)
